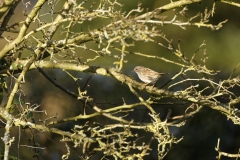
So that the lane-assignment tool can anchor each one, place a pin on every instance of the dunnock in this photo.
(147, 75)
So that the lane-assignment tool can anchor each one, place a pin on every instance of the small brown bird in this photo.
(147, 75)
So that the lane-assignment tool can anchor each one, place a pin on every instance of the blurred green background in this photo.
(200, 132)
